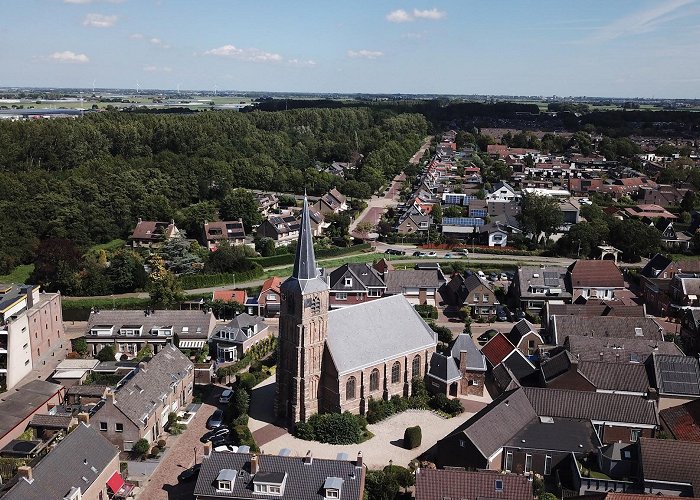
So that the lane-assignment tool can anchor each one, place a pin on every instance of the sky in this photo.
(609, 48)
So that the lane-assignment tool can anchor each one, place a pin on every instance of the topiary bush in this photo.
(304, 430)
(240, 402)
(412, 437)
(141, 447)
(336, 428)
(247, 381)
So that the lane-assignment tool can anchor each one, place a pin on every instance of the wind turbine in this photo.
(178, 88)
(215, 89)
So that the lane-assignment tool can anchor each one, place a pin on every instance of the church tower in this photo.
(302, 333)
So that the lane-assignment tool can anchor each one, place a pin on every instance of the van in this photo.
(225, 397)
(480, 274)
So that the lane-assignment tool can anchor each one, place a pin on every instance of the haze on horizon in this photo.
(623, 48)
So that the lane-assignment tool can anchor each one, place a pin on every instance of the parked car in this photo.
(503, 277)
(450, 256)
(493, 277)
(190, 474)
(463, 251)
(417, 254)
(220, 441)
(510, 275)
(480, 274)
(486, 336)
(216, 419)
(225, 397)
(229, 448)
(502, 313)
(430, 254)
(520, 314)
(214, 433)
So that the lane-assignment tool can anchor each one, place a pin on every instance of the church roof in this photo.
(365, 334)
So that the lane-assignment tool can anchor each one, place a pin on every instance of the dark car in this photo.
(502, 313)
(214, 433)
(393, 251)
(417, 254)
(190, 474)
(220, 441)
(216, 419)
(493, 277)
(486, 336)
(519, 314)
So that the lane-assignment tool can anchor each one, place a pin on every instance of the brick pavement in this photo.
(163, 482)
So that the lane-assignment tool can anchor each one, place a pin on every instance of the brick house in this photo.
(655, 281)
(330, 203)
(414, 223)
(598, 279)
(439, 484)
(676, 379)
(353, 284)
(480, 297)
(525, 338)
(139, 409)
(461, 373)
(152, 234)
(230, 342)
(20, 405)
(227, 232)
(533, 287)
(269, 297)
(419, 286)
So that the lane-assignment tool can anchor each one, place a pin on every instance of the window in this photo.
(271, 297)
(223, 485)
(477, 297)
(635, 435)
(332, 493)
(396, 373)
(374, 292)
(103, 426)
(415, 367)
(499, 484)
(531, 347)
(350, 388)
(316, 305)
(509, 460)
(486, 298)
(473, 382)
(462, 443)
(341, 296)
(348, 281)
(374, 380)
(119, 427)
(547, 465)
(528, 463)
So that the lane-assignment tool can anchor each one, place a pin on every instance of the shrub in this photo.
(247, 381)
(255, 366)
(453, 407)
(336, 428)
(80, 346)
(401, 475)
(172, 418)
(107, 354)
(240, 402)
(444, 333)
(161, 443)
(154, 451)
(141, 447)
(304, 430)
(427, 311)
(412, 437)
(438, 401)
(379, 409)
(241, 420)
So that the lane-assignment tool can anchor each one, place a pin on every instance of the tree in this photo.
(689, 201)
(178, 256)
(380, 485)
(57, 261)
(634, 238)
(163, 288)
(540, 215)
(145, 353)
(141, 447)
(126, 271)
(412, 437)
(436, 213)
(241, 402)
(241, 204)
(80, 346)
(265, 246)
(107, 353)
(364, 228)
(230, 259)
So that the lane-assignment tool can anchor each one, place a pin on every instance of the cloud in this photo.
(401, 16)
(302, 63)
(642, 21)
(136, 36)
(69, 57)
(99, 21)
(253, 55)
(415, 34)
(152, 68)
(366, 54)
(158, 42)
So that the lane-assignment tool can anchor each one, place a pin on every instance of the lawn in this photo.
(109, 246)
(20, 274)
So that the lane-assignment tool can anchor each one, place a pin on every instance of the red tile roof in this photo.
(595, 273)
(271, 284)
(683, 421)
(239, 296)
(497, 349)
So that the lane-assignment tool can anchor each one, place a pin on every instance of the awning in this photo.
(191, 344)
(115, 482)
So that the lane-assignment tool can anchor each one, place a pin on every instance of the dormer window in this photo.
(270, 483)
(225, 480)
(332, 487)
(499, 484)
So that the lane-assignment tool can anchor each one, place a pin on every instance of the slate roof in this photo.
(234, 328)
(669, 460)
(655, 266)
(472, 282)
(518, 364)
(497, 348)
(635, 350)
(364, 276)
(610, 327)
(557, 365)
(438, 484)
(592, 309)
(519, 330)
(199, 324)
(398, 281)
(365, 334)
(596, 406)
(627, 377)
(304, 260)
(64, 467)
(51, 421)
(559, 434)
(550, 277)
(595, 274)
(140, 395)
(504, 378)
(476, 361)
(676, 375)
(690, 284)
(443, 368)
(304, 482)
(683, 421)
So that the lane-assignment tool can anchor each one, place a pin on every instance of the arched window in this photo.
(396, 373)
(350, 388)
(415, 366)
(374, 380)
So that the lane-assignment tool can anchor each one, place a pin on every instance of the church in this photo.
(335, 361)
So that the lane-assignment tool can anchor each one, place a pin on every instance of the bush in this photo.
(438, 401)
(412, 437)
(454, 407)
(255, 366)
(444, 333)
(240, 402)
(161, 443)
(336, 428)
(241, 420)
(379, 409)
(304, 430)
(107, 354)
(427, 311)
(141, 447)
(247, 381)
(80, 346)
(243, 436)
(401, 475)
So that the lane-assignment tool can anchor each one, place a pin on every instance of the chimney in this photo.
(143, 366)
(358, 463)
(85, 417)
(207, 448)
(253, 465)
(308, 459)
(601, 356)
(25, 472)
(140, 220)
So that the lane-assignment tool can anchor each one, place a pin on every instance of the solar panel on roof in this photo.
(551, 278)
(462, 221)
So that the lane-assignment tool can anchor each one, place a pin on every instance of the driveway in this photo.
(163, 482)
(384, 446)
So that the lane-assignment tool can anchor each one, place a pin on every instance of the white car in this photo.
(480, 274)
(225, 396)
(229, 448)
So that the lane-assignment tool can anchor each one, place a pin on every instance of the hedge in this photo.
(118, 303)
(337, 428)
(287, 259)
(191, 281)
(427, 311)
(412, 437)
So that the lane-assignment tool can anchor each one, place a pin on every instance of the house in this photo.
(629, 350)
(267, 202)
(683, 421)
(220, 232)
(676, 379)
(20, 405)
(330, 203)
(461, 373)
(672, 239)
(82, 397)
(454, 293)
(510, 435)
(663, 195)
(414, 223)
(690, 330)
(590, 308)
(84, 465)
(493, 235)
(598, 279)
(607, 327)
(269, 297)
(152, 234)
(669, 467)
(648, 211)
(354, 283)
(525, 337)
(246, 475)
(419, 286)
(655, 281)
(565, 371)
(439, 484)
(239, 296)
(502, 192)
(685, 289)
(130, 331)
(31, 329)
(480, 297)
(70, 372)
(497, 349)
(230, 342)
(283, 229)
(139, 409)
(535, 286)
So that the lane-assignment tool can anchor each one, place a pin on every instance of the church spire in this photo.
(304, 260)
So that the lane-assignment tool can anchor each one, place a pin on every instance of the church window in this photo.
(316, 305)
(396, 373)
(350, 388)
(415, 367)
(374, 380)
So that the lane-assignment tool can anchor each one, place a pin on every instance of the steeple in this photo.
(305, 261)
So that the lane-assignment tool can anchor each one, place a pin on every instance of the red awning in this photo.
(115, 482)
